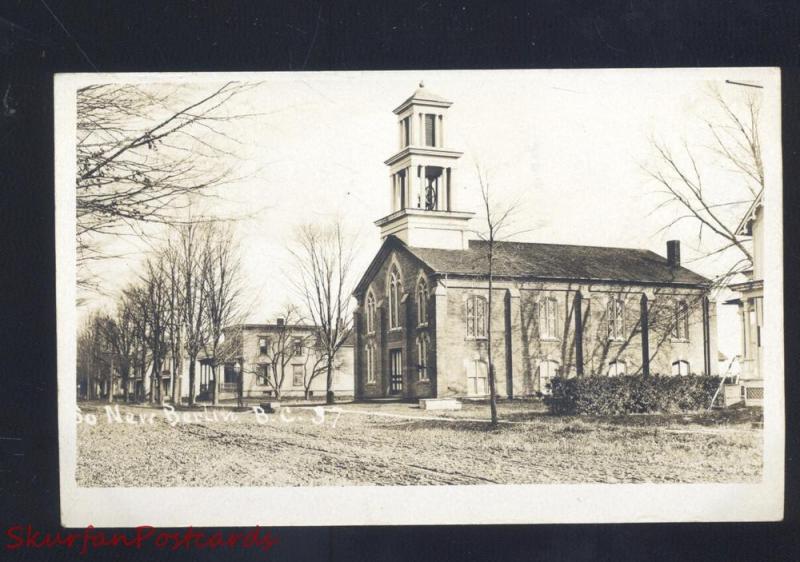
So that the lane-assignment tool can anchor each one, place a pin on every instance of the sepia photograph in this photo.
(490, 296)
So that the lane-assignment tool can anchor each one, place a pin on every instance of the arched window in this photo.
(422, 302)
(476, 317)
(616, 368)
(395, 292)
(422, 357)
(547, 370)
(680, 368)
(615, 315)
(548, 318)
(369, 358)
(370, 319)
(680, 329)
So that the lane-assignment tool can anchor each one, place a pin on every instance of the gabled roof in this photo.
(545, 261)
(391, 243)
(743, 229)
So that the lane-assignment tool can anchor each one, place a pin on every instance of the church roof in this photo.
(559, 261)
(563, 262)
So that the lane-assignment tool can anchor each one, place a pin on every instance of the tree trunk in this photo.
(492, 385)
(152, 397)
(276, 383)
(329, 398)
(173, 381)
(240, 387)
(214, 367)
(111, 382)
(192, 361)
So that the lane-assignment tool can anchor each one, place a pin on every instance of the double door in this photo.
(395, 371)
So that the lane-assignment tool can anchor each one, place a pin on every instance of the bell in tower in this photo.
(423, 206)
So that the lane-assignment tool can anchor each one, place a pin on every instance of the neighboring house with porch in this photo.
(423, 318)
(259, 352)
(750, 301)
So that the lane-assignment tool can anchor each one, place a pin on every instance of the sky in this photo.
(570, 145)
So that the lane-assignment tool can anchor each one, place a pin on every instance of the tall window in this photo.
(422, 302)
(547, 370)
(430, 129)
(680, 368)
(422, 357)
(395, 290)
(370, 313)
(477, 378)
(230, 375)
(297, 375)
(680, 330)
(297, 347)
(616, 319)
(263, 344)
(263, 374)
(548, 318)
(369, 358)
(476, 317)
(616, 368)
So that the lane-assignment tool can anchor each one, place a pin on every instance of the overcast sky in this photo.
(571, 143)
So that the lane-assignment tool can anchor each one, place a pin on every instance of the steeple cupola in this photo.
(422, 177)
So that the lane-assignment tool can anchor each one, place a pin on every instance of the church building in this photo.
(423, 315)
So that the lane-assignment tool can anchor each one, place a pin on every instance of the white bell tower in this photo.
(422, 178)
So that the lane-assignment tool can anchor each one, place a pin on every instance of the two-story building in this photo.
(277, 360)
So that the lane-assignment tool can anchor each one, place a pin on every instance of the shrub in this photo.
(630, 394)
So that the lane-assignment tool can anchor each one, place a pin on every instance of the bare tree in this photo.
(174, 321)
(706, 197)
(94, 367)
(497, 220)
(280, 348)
(221, 272)
(136, 301)
(323, 256)
(142, 150)
(191, 248)
(120, 332)
(156, 305)
(315, 363)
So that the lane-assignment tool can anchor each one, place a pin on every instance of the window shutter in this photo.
(430, 129)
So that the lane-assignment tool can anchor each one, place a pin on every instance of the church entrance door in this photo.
(395, 371)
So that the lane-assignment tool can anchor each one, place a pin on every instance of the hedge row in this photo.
(639, 394)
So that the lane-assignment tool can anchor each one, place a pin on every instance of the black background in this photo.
(39, 38)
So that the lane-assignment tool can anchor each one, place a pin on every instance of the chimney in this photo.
(281, 321)
(674, 253)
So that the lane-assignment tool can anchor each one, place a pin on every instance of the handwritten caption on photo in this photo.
(25, 537)
(316, 415)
